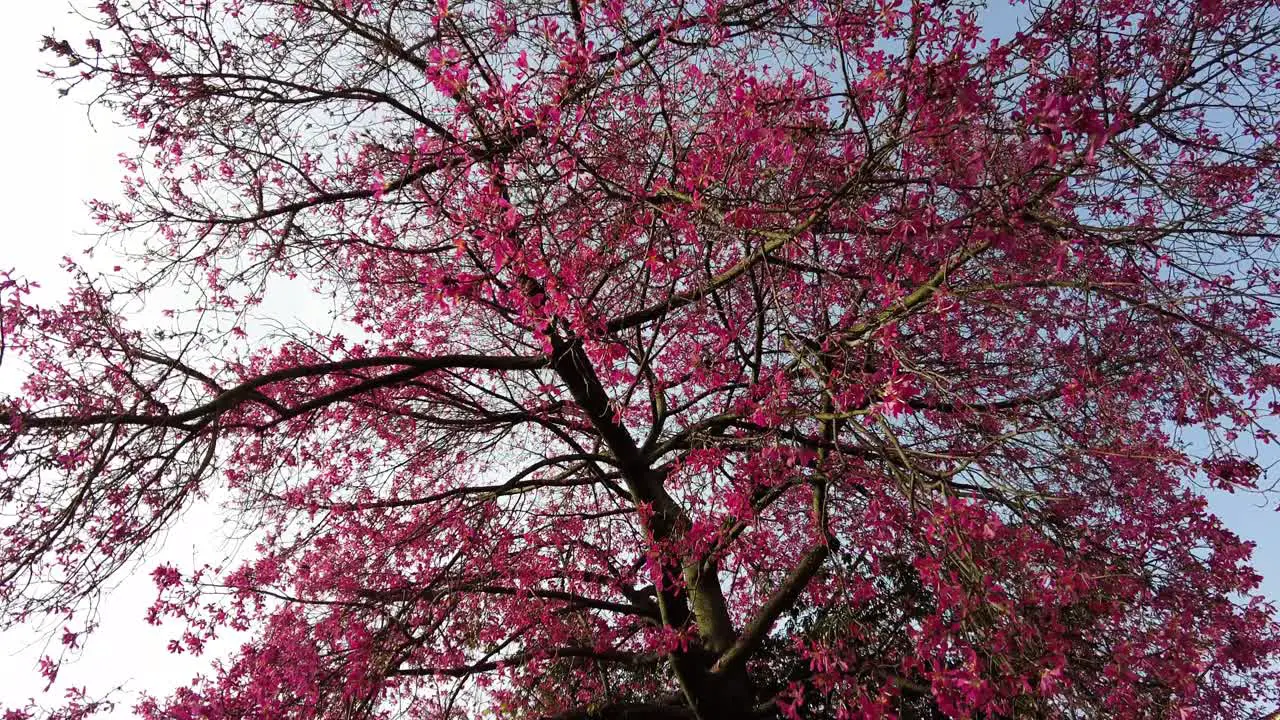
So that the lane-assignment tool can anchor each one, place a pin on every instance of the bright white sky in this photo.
(56, 162)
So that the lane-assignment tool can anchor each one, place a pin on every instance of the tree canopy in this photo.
(691, 359)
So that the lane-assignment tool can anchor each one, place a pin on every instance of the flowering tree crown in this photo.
(694, 359)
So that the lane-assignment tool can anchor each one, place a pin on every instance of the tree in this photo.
(722, 359)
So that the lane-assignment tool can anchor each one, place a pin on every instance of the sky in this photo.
(56, 161)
